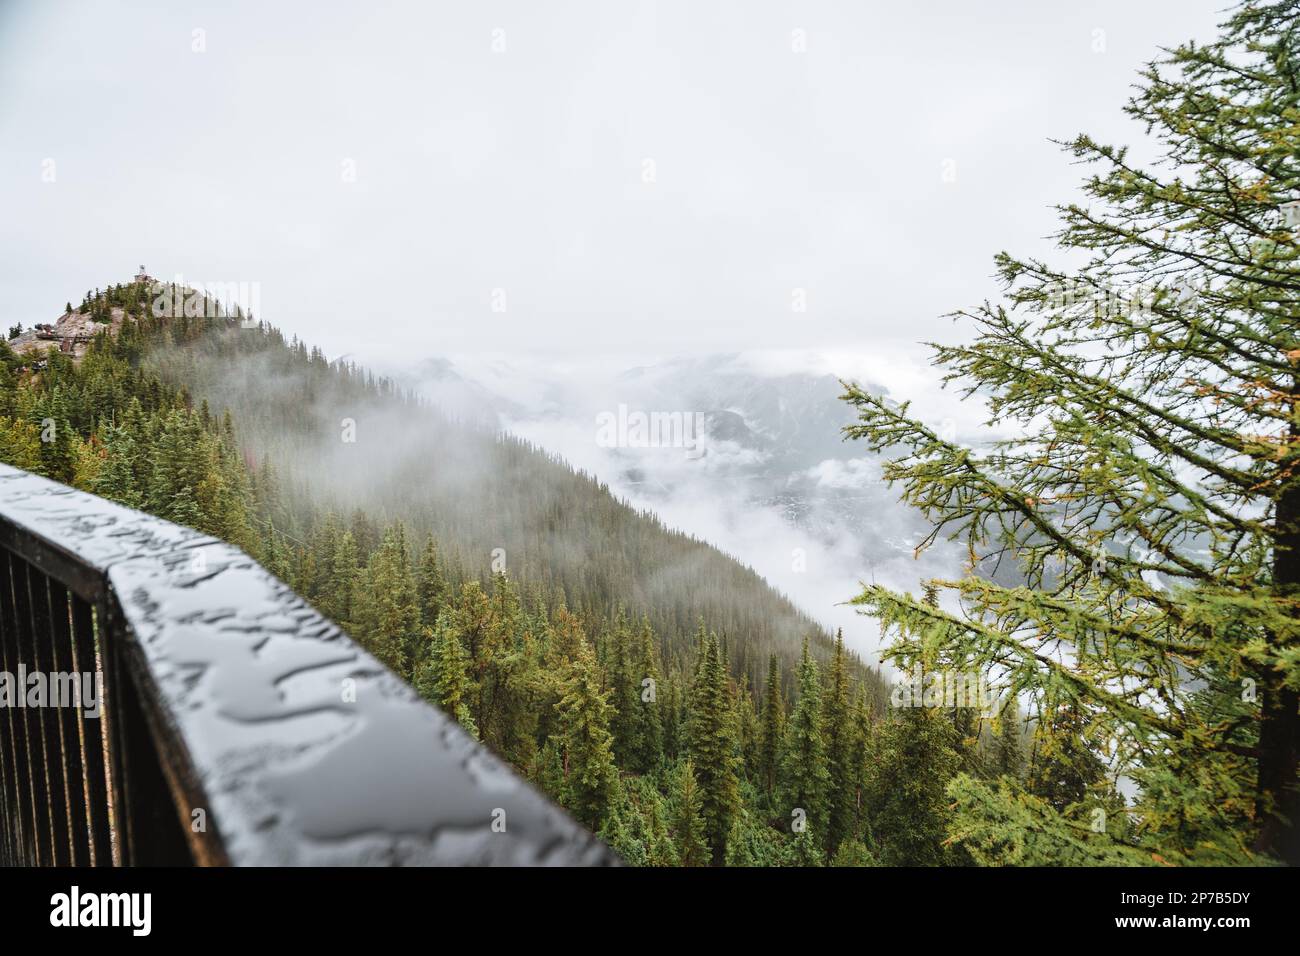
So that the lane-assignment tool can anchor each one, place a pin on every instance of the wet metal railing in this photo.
(166, 700)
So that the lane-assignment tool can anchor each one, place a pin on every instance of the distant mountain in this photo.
(773, 482)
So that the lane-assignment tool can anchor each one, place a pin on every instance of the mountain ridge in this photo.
(478, 492)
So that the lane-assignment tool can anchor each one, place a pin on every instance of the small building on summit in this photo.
(142, 276)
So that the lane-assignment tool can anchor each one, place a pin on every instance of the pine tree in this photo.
(509, 677)
(637, 827)
(674, 720)
(620, 832)
(548, 771)
(966, 731)
(648, 729)
(712, 741)
(748, 731)
(853, 853)
(340, 595)
(273, 554)
(624, 688)
(806, 849)
(430, 584)
(1065, 768)
(443, 677)
(907, 804)
(178, 470)
(772, 734)
(838, 732)
(116, 479)
(1152, 497)
(590, 777)
(57, 458)
(689, 828)
(387, 622)
(1008, 754)
(860, 758)
(805, 778)
(231, 498)
(966, 728)
(20, 444)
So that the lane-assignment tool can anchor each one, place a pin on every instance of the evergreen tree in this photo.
(907, 804)
(838, 732)
(966, 729)
(772, 733)
(430, 584)
(966, 732)
(748, 733)
(20, 444)
(116, 479)
(853, 853)
(624, 688)
(648, 730)
(341, 592)
(590, 777)
(509, 676)
(388, 621)
(689, 828)
(179, 468)
(805, 778)
(1008, 754)
(1065, 767)
(57, 458)
(443, 677)
(806, 849)
(1152, 496)
(231, 493)
(860, 759)
(712, 739)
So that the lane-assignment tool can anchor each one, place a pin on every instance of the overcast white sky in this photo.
(504, 146)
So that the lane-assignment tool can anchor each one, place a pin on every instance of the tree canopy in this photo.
(1150, 496)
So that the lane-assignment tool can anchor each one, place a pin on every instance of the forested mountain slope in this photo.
(614, 662)
(492, 502)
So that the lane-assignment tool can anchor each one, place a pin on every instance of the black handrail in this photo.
(236, 725)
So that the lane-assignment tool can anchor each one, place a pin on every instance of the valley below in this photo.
(770, 480)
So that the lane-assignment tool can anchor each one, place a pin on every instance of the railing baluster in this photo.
(70, 718)
(109, 658)
(16, 717)
(37, 759)
(91, 735)
(9, 770)
(6, 807)
(47, 715)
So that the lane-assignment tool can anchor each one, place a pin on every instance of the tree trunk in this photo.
(1277, 796)
(1276, 802)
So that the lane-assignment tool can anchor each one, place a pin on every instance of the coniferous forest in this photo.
(1146, 651)
(520, 602)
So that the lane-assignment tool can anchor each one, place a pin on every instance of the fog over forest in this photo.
(777, 486)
